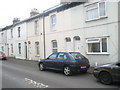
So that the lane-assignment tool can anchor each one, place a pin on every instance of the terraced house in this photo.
(90, 28)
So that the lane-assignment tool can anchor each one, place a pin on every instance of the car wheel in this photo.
(67, 71)
(105, 78)
(41, 67)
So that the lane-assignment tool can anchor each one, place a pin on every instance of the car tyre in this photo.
(105, 78)
(41, 67)
(67, 71)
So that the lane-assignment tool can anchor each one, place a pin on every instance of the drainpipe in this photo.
(44, 36)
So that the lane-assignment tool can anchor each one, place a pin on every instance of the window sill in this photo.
(98, 53)
(37, 56)
(95, 19)
(53, 30)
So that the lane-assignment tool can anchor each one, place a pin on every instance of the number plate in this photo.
(83, 67)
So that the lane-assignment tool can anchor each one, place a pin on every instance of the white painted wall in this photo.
(72, 23)
(22, 39)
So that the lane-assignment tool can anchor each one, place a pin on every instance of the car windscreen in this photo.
(76, 55)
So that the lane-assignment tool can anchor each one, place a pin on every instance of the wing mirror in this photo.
(47, 58)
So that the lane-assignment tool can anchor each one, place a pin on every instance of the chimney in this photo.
(15, 20)
(34, 12)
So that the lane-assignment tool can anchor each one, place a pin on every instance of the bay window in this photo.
(97, 45)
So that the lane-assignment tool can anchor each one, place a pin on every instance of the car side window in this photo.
(62, 56)
(53, 56)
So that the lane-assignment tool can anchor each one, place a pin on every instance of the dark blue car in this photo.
(67, 62)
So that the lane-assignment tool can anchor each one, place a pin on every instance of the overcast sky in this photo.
(10, 9)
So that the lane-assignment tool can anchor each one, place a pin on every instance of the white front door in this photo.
(77, 46)
(68, 46)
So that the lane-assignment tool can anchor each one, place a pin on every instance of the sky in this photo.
(10, 9)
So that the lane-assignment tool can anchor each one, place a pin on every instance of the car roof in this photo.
(67, 52)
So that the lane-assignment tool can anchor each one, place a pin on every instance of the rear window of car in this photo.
(76, 55)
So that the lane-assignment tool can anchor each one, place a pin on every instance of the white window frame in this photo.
(12, 48)
(19, 48)
(99, 41)
(54, 48)
(99, 17)
(37, 48)
(53, 25)
(19, 32)
(11, 33)
(36, 27)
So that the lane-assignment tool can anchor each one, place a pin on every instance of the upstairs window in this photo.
(11, 33)
(36, 27)
(19, 31)
(95, 11)
(53, 22)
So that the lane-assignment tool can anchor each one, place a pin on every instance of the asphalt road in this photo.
(25, 74)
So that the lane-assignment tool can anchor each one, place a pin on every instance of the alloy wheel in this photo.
(41, 67)
(67, 71)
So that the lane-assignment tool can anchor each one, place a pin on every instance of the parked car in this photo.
(67, 62)
(2, 56)
(108, 73)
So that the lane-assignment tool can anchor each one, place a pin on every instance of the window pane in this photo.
(93, 47)
(53, 56)
(37, 48)
(104, 45)
(102, 8)
(19, 47)
(36, 27)
(53, 19)
(62, 56)
(54, 44)
(92, 12)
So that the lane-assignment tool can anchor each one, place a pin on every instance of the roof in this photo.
(57, 8)
(7, 27)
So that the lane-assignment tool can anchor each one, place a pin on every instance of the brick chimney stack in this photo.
(34, 12)
(15, 20)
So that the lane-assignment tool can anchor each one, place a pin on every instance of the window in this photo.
(11, 33)
(37, 48)
(54, 46)
(53, 22)
(3, 48)
(53, 56)
(62, 56)
(18, 31)
(68, 39)
(2, 34)
(11, 48)
(95, 11)
(97, 45)
(19, 48)
(36, 27)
